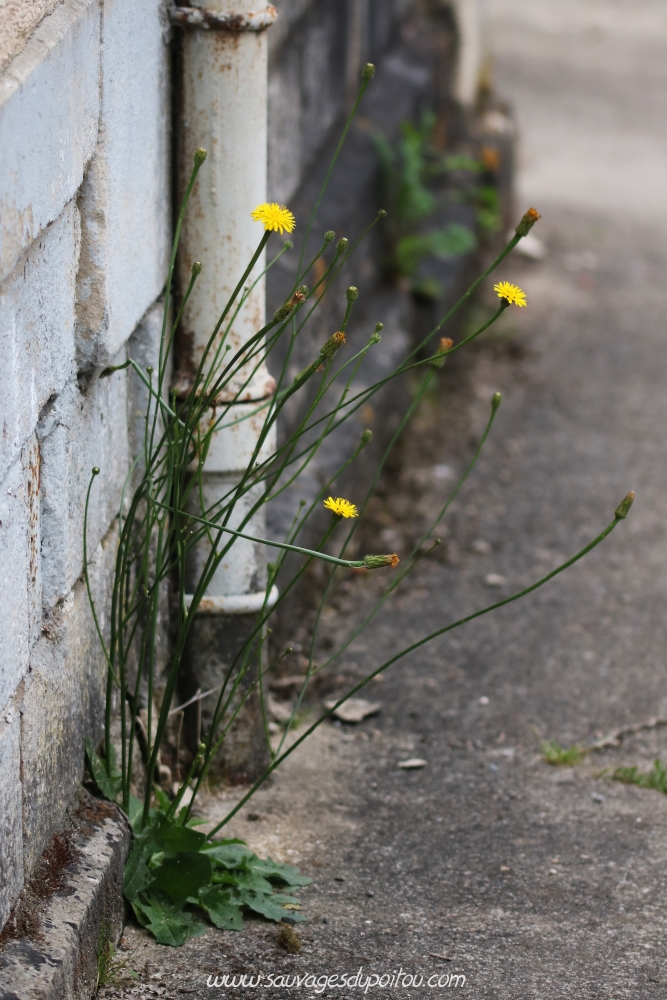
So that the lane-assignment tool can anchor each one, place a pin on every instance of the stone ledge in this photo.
(56, 958)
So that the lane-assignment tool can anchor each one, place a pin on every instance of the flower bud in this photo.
(375, 338)
(297, 299)
(333, 345)
(368, 71)
(342, 245)
(329, 236)
(352, 294)
(527, 222)
(200, 156)
(375, 562)
(378, 327)
(150, 369)
(366, 437)
(288, 244)
(382, 214)
(196, 268)
(496, 400)
(445, 345)
(624, 506)
(96, 470)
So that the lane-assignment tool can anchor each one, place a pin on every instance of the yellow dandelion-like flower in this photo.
(275, 218)
(512, 293)
(341, 507)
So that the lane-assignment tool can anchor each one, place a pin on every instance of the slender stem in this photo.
(399, 656)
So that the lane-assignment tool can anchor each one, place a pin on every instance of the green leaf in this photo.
(221, 907)
(183, 875)
(108, 785)
(173, 838)
(452, 240)
(135, 812)
(273, 869)
(266, 906)
(163, 799)
(230, 853)
(137, 875)
(168, 923)
(250, 880)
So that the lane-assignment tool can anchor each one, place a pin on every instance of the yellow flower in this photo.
(276, 218)
(341, 507)
(512, 293)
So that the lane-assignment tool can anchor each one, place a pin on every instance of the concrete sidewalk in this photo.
(535, 883)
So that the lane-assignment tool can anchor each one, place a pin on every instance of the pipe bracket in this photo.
(213, 20)
(236, 604)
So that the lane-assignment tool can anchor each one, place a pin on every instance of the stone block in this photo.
(14, 622)
(11, 842)
(125, 199)
(144, 348)
(63, 702)
(58, 961)
(37, 331)
(79, 430)
(19, 20)
(49, 104)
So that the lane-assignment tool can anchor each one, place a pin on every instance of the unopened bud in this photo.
(196, 268)
(375, 562)
(445, 345)
(366, 437)
(382, 214)
(329, 236)
(375, 338)
(368, 71)
(297, 299)
(200, 156)
(288, 244)
(342, 245)
(496, 400)
(528, 221)
(624, 506)
(333, 344)
(150, 369)
(96, 470)
(378, 327)
(352, 294)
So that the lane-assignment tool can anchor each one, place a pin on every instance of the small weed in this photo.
(559, 756)
(111, 968)
(656, 778)
(288, 939)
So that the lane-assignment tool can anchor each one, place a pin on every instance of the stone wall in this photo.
(85, 226)
(84, 239)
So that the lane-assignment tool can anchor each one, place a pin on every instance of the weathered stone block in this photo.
(77, 431)
(37, 331)
(125, 201)
(59, 961)
(49, 102)
(11, 842)
(19, 570)
(63, 702)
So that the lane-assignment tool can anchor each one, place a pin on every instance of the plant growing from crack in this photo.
(176, 873)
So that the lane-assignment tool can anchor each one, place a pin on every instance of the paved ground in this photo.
(533, 882)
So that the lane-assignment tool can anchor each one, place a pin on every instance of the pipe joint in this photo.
(213, 20)
(236, 604)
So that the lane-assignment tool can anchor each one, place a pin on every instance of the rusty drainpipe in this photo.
(224, 110)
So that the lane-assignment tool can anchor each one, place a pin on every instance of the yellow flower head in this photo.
(512, 294)
(341, 507)
(276, 218)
